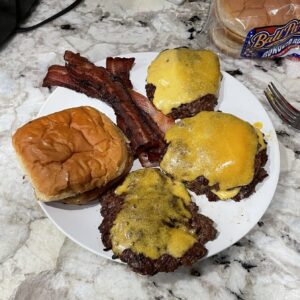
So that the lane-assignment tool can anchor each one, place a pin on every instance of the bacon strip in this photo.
(114, 93)
(83, 76)
(59, 76)
(120, 67)
(143, 103)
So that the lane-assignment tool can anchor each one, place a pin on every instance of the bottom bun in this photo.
(222, 40)
(89, 196)
(83, 198)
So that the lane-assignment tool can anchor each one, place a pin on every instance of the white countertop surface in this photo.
(38, 262)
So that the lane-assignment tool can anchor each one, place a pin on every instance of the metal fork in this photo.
(282, 107)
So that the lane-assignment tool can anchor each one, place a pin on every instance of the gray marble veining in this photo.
(38, 262)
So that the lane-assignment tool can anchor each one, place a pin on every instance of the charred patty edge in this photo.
(187, 110)
(200, 185)
(111, 205)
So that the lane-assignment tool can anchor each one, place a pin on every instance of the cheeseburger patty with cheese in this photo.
(182, 82)
(216, 154)
(151, 223)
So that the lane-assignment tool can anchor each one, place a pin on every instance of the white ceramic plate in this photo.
(232, 219)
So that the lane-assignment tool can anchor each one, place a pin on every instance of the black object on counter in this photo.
(14, 12)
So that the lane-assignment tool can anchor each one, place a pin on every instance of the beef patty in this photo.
(205, 103)
(111, 205)
(200, 184)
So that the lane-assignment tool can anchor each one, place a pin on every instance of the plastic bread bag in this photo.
(256, 28)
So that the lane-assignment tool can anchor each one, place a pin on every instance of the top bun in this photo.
(240, 16)
(71, 152)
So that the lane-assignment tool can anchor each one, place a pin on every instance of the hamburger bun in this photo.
(72, 155)
(234, 19)
(242, 16)
(222, 39)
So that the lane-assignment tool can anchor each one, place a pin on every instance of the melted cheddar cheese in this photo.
(153, 219)
(226, 194)
(258, 126)
(183, 75)
(216, 145)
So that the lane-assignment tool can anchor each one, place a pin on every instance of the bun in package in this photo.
(256, 28)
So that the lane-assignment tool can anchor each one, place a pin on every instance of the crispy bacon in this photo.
(59, 76)
(113, 92)
(143, 103)
(83, 76)
(120, 67)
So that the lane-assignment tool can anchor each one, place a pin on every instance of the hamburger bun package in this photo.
(256, 28)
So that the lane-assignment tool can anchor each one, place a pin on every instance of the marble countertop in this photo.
(38, 262)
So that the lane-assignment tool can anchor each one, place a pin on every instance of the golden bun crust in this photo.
(71, 152)
(240, 16)
(89, 196)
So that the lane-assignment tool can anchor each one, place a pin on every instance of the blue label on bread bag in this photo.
(273, 41)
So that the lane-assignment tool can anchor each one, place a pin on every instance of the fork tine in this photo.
(284, 102)
(281, 114)
(280, 105)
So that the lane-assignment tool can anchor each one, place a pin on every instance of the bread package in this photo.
(256, 28)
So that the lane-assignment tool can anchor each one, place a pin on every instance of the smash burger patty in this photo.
(148, 241)
(205, 103)
(200, 184)
(182, 82)
(216, 154)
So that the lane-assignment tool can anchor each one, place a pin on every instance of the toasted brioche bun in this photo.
(86, 197)
(71, 152)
